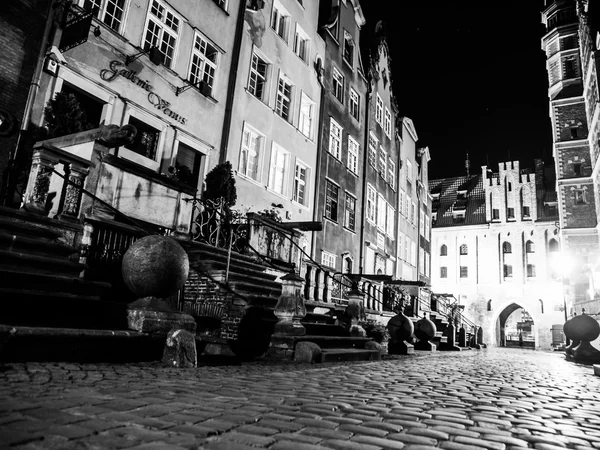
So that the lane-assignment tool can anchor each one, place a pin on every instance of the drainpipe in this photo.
(319, 159)
(235, 60)
(31, 97)
(364, 186)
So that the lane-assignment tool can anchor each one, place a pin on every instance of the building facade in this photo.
(569, 47)
(381, 164)
(274, 129)
(339, 186)
(496, 248)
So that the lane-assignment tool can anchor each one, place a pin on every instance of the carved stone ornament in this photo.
(115, 136)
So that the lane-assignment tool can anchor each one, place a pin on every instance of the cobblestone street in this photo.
(492, 399)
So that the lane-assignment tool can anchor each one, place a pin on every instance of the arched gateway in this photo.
(513, 325)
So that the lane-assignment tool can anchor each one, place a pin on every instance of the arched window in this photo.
(506, 247)
(530, 271)
(530, 247)
(489, 305)
(443, 250)
(553, 245)
(464, 250)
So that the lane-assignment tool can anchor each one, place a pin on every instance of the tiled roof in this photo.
(474, 201)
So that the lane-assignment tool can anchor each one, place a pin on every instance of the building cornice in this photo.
(574, 181)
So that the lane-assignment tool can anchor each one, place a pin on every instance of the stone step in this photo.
(200, 252)
(43, 308)
(42, 264)
(325, 329)
(235, 268)
(335, 341)
(15, 222)
(11, 241)
(26, 343)
(348, 354)
(18, 278)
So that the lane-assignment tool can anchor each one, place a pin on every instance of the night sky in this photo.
(471, 76)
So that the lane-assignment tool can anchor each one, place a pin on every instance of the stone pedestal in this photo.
(290, 307)
(356, 311)
(450, 344)
(401, 329)
(159, 322)
(462, 337)
(180, 350)
(425, 330)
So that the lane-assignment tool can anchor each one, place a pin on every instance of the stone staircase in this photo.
(47, 310)
(258, 287)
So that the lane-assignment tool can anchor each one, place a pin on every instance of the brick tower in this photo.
(577, 195)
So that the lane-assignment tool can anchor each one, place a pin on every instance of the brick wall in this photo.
(569, 158)
(570, 117)
(579, 205)
(22, 23)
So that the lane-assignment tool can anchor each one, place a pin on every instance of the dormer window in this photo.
(461, 195)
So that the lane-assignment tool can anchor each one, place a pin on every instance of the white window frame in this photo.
(161, 23)
(390, 222)
(204, 62)
(401, 202)
(346, 216)
(409, 171)
(281, 98)
(421, 222)
(299, 182)
(381, 212)
(243, 171)
(100, 11)
(391, 173)
(379, 110)
(400, 245)
(279, 14)
(353, 151)
(307, 116)
(338, 85)
(301, 37)
(254, 76)
(382, 162)
(427, 225)
(387, 127)
(279, 169)
(154, 122)
(200, 147)
(328, 259)
(373, 146)
(348, 41)
(336, 132)
(354, 104)
(371, 209)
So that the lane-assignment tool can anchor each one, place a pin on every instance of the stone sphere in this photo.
(584, 328)
(425, 329)
(400, 327)
(155, 266)
(568, 328)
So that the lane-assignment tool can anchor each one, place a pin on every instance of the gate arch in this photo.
(503, 311)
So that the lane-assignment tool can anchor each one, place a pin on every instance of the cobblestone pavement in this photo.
(488, 399)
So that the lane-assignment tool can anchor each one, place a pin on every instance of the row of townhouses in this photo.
(279, 88)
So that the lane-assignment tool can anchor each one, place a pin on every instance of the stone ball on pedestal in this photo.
(400, 327)
(583, 328)
(155, 266)
(425, 329)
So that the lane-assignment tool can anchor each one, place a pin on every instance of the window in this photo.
(280, 20)
(350, 212)
(338, 85)
(221, 3)
(258, 77)
(353, 155)
(464, 250)
(90, 105)
(348, 264)
(400, 244)
(409, 174)
(371, 205)
(391, 221)
(443, 250)
(464, 272)
(530, 247)
(335, 139)
(511, 213)
(278, 169)
(307, 115)
(421, 260)
(413, 214)
(328, 259)
(379, 110)
(387, 125)
(301, 44)
(108, 11)
(284, 98)
(354, 104)
(250, 153)
(381, 210)
(407, 248)
(348, 48)
(392, 174)
(162, 31)
(187, 165)
(443, 272)
(204, 62)
(508, 272)
(401, 202)
(509, 186)
(145, 142)
(300, 178)
(530, 271)
(577, 169)
(495, 214)
(526, 212)
(382, 166)
(579, 197)
(506, 247)
(427, 227)
(331, 201)
(373, 143)
(421, 222)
